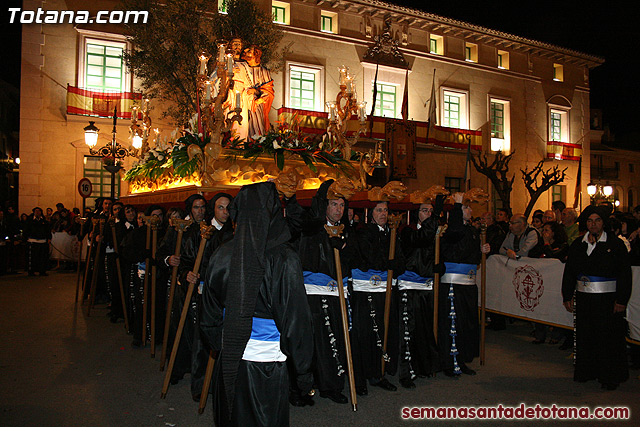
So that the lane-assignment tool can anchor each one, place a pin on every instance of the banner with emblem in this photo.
(91, 103)
(528, 288)
(633, 307)
(401, 148)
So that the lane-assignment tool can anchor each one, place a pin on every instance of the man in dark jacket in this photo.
(598, 270)
(38, 235)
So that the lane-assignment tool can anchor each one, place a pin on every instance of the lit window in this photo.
(558, 125)
(499, 119)
(471, 52)
(386, 100)
(101, 65)
(557, 192)
(436, 44)
(454, 111)
(503, 60)
(305, 90)
(222, 6)
(558, 73)
(280, 12)
(99, 177)
(329, 22)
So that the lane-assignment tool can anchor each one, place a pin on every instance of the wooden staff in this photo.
(145, 283)
(207, 382)
(483, 292)
(335, 231)
(112, 223)
(436, 281)
(180, 226)
(155, 223)
(394, 221)
(205, 232)
(80, 221)
(94, 276)
(92, 240)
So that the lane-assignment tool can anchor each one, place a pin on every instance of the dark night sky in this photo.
(606, 29)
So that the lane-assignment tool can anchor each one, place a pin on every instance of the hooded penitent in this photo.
(260, 226)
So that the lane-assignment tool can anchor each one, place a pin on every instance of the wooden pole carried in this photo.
(94, 276)
(207, 382)
(483, 293)
(180, 226)
(436, 281)
(92, 240)
(336, 231)
(393, 222)
(145, 283)
(205, 232)
(112, 224)
(80, 221)
(155, 224)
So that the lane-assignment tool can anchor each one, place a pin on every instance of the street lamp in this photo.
(599, 192)
(111, 150)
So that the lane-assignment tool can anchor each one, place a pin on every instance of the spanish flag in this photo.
(89, 103)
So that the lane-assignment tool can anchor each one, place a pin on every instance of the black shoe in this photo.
(537, 341)
(449, 373)
(31, 273)
(407, 383)
(43, 274)
(495, 327)
(385, 385)
(136, 343)
(362, 391)
(609, 386)
(298, 400)
(566, 345)
(467, 371)
(334, 395)
(196, 397)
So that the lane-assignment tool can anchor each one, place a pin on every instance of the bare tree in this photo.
(496, 171)
(549, 178)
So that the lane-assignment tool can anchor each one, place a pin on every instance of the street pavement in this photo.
(59, 367)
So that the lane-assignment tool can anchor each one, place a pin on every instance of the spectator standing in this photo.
(38, 236)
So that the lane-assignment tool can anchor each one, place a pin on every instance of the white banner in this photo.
(528, 287)
(633, 307)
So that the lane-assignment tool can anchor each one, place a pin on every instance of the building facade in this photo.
(522, 96)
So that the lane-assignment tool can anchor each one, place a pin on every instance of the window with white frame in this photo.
(454, 111)
(386, 100)
(436, 44)
(500, 121)
(280, 12)
(558, 125)
(101, 64)
(329, 22)
(305, 87)
(471, 52)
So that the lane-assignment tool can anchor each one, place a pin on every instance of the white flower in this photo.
(160, 157)
(276, 145)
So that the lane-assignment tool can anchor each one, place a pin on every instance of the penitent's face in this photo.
(335, 210)
(380, 213)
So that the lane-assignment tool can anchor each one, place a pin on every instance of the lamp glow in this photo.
(591, 189)
(136, 141)
(607, 190)
(91, 135)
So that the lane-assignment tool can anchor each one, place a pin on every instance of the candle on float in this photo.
(222, 47)
(203, 64)
(230, 62)
(362, 110)
(349, 84)
(207, 93)
(238, 100)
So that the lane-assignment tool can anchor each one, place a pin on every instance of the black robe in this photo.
(192, 355)
(261, 392)
(369, 250)
(418, 351)
(460, 244)
(317, 256)
(599, 333)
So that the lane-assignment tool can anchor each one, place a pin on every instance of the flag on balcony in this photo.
(404, 111)
(576, 198)
(432, 119)
(563, 150)
(101, 104)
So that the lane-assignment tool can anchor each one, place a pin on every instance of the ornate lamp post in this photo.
(112, 149)
(598, 192)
